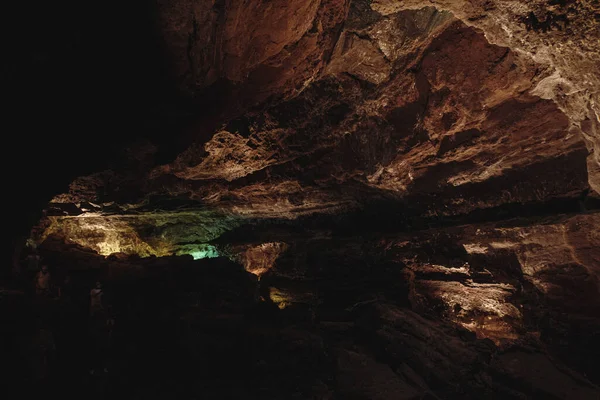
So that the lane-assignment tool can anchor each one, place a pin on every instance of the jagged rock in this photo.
(388, 199)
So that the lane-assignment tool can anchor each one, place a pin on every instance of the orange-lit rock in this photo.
(413, 181)
(259, 259)
(446, 122)
(560, 37)
(220, 40)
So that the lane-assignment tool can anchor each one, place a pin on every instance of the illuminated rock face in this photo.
(413, 106)
(561, 37)
(258, 259)
(219, 40)
(434, 162)
(452, 126)
(156, 234)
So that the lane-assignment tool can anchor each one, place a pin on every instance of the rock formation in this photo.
(403, 195)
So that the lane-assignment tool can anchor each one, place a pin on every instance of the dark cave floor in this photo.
(207, 329)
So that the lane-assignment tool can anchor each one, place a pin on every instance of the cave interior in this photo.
(302, 199)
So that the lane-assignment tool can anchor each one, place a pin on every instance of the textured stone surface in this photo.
(220, 40)
(411, 186)
(560, 37)
(455, 132)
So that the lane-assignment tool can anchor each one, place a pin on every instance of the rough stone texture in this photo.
(413, 181)
(205, 313)
(257, 259)
(158, 234)
(561, 37)
(514, 281)
(221, 41)
(455, 132)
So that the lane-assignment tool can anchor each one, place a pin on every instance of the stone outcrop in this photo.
(405, 190)
(450, 128)
(561, 37)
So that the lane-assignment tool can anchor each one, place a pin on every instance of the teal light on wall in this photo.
(204, 251)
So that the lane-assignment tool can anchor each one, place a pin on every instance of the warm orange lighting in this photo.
(259, 259)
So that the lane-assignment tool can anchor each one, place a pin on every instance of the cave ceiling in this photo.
(457, 142)
(428, 110)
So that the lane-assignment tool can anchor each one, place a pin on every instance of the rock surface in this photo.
(406, 191)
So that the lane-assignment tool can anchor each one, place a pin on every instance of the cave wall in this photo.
(425, 173)
(557, 37)
(413, 108)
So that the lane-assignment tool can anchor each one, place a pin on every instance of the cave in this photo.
(301, 199)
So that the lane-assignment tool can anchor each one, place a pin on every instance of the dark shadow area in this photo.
(81, 81)
(334, 319)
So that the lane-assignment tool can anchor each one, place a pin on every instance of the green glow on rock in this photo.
(204, 251)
